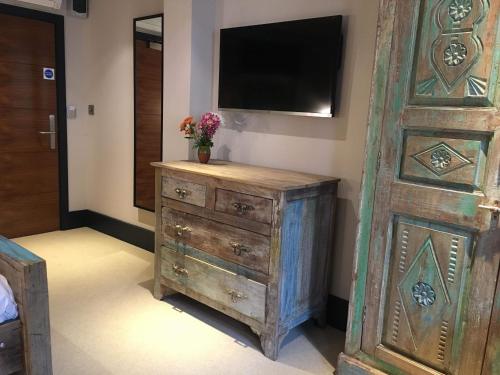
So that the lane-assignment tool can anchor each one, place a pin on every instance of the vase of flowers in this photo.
(202, 133)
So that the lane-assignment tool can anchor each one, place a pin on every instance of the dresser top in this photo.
(277, 179)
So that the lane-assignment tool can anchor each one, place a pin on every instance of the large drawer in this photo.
(234, 291)
(236, 245)
(184, 191)
(244, 205)
(11, 351)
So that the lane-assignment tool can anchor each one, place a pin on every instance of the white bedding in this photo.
(8, 306)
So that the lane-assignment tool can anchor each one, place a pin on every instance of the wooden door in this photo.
(29, 187)
(434, 244)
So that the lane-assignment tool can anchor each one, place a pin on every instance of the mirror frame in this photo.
(134, 22)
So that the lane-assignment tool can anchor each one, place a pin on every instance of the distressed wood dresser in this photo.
(251, 242)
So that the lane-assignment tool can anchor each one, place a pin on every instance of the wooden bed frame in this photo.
(27, 276)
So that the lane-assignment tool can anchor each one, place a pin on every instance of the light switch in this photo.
(71, 112)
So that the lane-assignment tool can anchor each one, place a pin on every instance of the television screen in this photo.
(287, 66)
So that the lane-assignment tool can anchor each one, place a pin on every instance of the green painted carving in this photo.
(423, 294)
(460, 9)
(476, 86)
(441, 159)
(455, 54)
(454, 30)
(422, 287)
(426, 88)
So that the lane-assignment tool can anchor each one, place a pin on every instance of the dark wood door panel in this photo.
(30, 215)
(29, 164)
(23, 86)
(19, 130)
(148, 62)
(148, 65)
(145, 195)
(148, 99)
(17, 180)
(26, 41)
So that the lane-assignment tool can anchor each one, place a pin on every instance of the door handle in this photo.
(494, 208)
(52, 132)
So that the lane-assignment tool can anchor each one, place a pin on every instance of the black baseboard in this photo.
(121, 230)
(337, 308)
(337, 311)
(74, 219)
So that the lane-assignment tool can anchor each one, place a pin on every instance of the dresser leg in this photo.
(270, 346)
(271, 343)
(162, 291)
(320, 318)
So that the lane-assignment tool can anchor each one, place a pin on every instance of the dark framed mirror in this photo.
(148, 106)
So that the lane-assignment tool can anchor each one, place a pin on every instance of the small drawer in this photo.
(236, 245)
(184, 191)
(11, 352)
(244, 205)
(234, 291)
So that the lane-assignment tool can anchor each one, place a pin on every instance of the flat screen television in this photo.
(281, 67)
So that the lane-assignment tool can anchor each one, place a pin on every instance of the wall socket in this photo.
(91, 110)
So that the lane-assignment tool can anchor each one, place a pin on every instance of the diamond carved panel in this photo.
(423, 292)
(458, 163)
(441, 159)
(423, 304)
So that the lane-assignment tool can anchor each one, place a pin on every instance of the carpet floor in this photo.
(104, 319)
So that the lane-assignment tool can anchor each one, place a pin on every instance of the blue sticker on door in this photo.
(49, 73)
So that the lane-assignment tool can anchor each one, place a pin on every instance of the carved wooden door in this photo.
(435, 249)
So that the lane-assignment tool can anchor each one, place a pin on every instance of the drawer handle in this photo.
(181, 193)
(242, 208)
(3, 345)
(179, 271)
(235, 295)
(239, 248)
(180, 230)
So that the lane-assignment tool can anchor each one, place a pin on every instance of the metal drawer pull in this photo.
(179, 270)
(242, 208)
(2, 345)
(239, 248)
(181, 193)
(180, 230)
(235, 295)
(495, 208)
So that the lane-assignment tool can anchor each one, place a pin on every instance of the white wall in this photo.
(107, 79)
(333, 147)
(177, 76)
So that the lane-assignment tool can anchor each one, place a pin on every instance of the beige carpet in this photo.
(104, 319)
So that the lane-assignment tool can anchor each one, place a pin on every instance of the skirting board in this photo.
(121, 230)
(337, 307)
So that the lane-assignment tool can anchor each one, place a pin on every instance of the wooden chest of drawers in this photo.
(252, 242)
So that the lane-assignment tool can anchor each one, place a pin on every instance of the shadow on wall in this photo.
(345, 223)
(322, 128)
